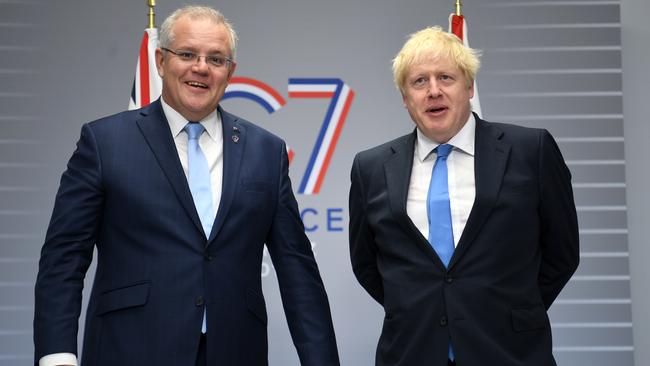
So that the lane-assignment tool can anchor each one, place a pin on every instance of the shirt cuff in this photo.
(56, 359)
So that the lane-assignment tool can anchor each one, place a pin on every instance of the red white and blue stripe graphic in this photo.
(147, 85)
(311, 88)
(458, 26)
(341, 98)
(255, 90)
(260, 93)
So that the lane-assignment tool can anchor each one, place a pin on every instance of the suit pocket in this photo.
(529, 319)
(124, 297)
(256, 305)
(255, 186)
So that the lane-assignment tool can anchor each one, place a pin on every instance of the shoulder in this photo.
(368, 163)
(511, 133)
(387, 149)
(527, 143)
(253, 131)
(118, 123)
(106, 121)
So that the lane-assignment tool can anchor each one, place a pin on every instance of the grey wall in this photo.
(26, 182)
(552, 64)
(636, 87)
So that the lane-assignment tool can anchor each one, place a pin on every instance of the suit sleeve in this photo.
(68, 251)
(363, 249)
(559, 222)
(303, 294)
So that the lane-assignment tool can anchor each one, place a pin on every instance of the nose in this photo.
(201, 64)
(433, 90)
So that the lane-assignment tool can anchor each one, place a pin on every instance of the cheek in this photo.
(410, 103)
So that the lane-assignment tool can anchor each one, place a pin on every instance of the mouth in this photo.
(436, 110)
(196, 84)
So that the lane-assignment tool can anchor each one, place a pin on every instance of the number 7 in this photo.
(341, 98)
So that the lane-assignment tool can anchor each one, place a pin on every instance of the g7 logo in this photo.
(340, 96)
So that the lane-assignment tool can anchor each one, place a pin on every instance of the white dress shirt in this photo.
(460, 179)
(211, 142)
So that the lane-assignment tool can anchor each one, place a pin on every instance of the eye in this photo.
(216, 60)
(445, 77)
(186, 55)
(419, 82)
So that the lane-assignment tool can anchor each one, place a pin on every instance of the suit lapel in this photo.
(155, 128)
(397, 170)
(490, 159)
(234, 143)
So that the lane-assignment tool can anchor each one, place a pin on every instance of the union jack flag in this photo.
(147, 85)
(458, 26)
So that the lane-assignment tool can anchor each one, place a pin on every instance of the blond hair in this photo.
(433, 42)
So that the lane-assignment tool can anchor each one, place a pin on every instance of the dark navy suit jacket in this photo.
(518, 249)
(124, 191)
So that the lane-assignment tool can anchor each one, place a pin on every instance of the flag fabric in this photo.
(458, 26)
(147, 85)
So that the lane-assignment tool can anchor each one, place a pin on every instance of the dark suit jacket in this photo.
(125, 192)
(518, 249)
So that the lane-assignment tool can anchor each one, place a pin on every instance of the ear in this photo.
(232, 70)
(160, 60)
(403, 99)
(471, 91)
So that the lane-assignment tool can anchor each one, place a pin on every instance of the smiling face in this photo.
(436, 94)
(194, 89)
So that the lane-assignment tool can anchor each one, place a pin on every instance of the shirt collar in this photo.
(211, 123)
(463, 140)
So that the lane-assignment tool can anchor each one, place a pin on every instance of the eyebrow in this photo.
(195, 50)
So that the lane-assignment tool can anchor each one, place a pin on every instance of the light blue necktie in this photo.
(199, 181)
(441, 236)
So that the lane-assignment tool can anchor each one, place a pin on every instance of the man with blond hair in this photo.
(179, 198)
(465, 231)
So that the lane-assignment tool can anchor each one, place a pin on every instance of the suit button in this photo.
(449, 279)
(443, 321)
(199, 301)
(207, 257)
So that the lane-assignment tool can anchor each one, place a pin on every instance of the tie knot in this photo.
(194, 130)
(443, 150)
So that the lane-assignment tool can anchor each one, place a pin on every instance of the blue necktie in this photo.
(199, 181)
(199, 177)
(441, 236)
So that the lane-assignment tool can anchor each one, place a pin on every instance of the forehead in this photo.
(430, 62)
(203, 33)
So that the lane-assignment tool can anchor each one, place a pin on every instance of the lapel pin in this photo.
(235, 138)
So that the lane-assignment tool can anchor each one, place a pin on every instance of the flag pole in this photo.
(147, 85)
(459, 5)
(151, 15)
(458, 26)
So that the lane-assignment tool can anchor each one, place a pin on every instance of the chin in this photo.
(197, 107)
